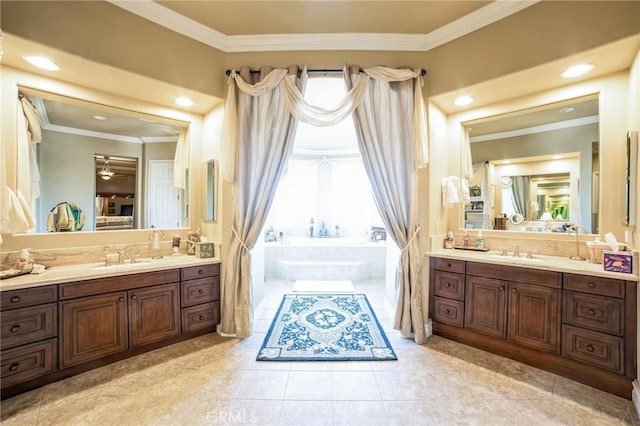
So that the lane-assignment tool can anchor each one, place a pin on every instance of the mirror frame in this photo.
(116, 105)
(492, 115)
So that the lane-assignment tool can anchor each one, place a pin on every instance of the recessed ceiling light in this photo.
(42, 62)
(577, 70)
(184, 101)
(100, 117)
(463, 100)
(567, 109)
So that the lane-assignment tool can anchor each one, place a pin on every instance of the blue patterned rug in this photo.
(325, 327)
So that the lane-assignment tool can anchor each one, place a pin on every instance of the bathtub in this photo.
(325, 259)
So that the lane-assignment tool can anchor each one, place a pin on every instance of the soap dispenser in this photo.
(479, 240)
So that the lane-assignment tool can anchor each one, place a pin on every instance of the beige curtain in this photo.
(181, 160)
(264, 140)
(385, 127)
(257, 134)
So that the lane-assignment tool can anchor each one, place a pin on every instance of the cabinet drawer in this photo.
(199, 291)
(200, 317)
(594, 312)
(448, 311)
(28, 362)
(201, 271)
(515, 273)
(26, 325)
(117, 283)
(448, 285)
(448, 265)
(594, 285)
(599, 349)
(13, 299)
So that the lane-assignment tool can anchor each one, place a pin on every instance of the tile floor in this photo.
(216, 380)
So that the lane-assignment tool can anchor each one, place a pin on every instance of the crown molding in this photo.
(188, 27)
(537, 129)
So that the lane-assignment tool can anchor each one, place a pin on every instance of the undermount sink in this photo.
(513, 258)
(121, 265)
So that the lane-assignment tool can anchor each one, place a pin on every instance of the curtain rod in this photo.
(423, 72)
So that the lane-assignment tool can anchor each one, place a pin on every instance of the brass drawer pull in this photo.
(134, 297)
(590, 348)
(447, 311)
(201, 318)
(14, 366)
(591, 312)
(448, 284)
(15, 299)
(514, 290)
(200, 291)
(15, 328)
(200, 271)
(591, 284)
(121, 299)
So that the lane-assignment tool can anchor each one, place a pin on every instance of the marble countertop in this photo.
(86, 271)
(548, 263)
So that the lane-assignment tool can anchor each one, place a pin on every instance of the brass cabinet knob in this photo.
(14, 366)
(590, 348)
(591, 284)
(200, 291)
(15, 299)
(591, 312)
(15, 328)
(201, 318)
(134, 297)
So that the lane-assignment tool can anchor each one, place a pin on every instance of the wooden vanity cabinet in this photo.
(578, 326)
(56, 331)
(200, 288)
(28, 334)
(517, 304)
(104, 324)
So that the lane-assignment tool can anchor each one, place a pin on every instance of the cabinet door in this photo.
(92, 327)
(486, 306)
(534, 316)
(154, 313)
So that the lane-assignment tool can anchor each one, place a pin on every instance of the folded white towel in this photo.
(454, 190)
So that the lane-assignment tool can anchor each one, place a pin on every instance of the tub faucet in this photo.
(516, 249)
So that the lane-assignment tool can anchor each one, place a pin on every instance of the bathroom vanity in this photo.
(78, 318)
(569, 319)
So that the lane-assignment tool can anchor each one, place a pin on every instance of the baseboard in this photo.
(635, 397)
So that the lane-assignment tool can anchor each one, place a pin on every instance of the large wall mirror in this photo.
(115, 166)
(536, 170)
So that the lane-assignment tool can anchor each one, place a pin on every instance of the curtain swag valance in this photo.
(284, 81)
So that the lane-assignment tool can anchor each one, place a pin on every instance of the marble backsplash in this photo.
(91, 254)
(548, 244)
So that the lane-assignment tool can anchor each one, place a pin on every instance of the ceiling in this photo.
(391, 27)
(298, 17)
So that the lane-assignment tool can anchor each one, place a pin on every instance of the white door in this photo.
(163, 198)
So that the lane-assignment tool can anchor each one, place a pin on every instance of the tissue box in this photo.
(618, 261)
(204, 250)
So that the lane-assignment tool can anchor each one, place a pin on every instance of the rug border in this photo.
(314, 359)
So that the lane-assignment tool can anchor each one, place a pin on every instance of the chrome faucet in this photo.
(516, 249)
(120, 257)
